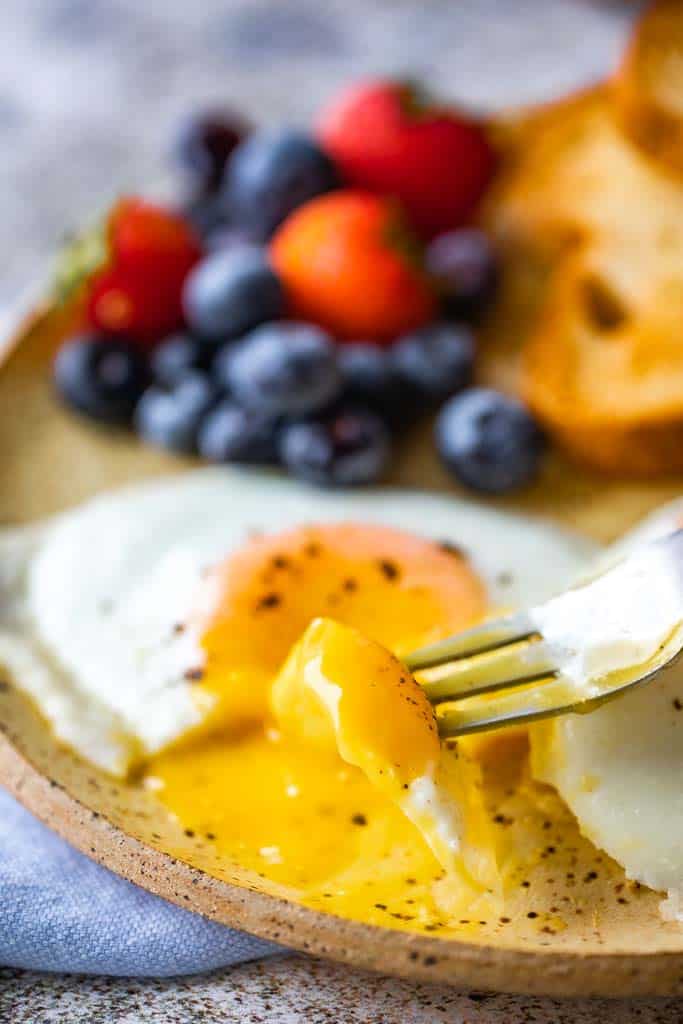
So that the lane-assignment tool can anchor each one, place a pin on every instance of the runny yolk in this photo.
(321, 792)
(340, 692)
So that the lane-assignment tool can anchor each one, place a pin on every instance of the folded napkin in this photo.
(60, 911)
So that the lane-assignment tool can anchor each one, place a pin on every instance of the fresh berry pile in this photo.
(309, 298)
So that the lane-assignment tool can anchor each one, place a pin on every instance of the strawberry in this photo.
(144, 310)
(386, 137)
(147, 240)
(134, 266)
(348, 263)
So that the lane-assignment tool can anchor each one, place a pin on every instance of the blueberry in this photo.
(465, 268)
(270, 174)
(180, 353)
(170, 417)
(204, 144)
(230, 292)
(233, 434)
(220, 367)
(226, 236)
(284, 369)
(489, 441)
(349, 448)
(206, 215)
(101, 377)
(371, 381)
(435, 361)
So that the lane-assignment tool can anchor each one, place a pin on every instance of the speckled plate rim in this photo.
(408, 955)
(404, 954)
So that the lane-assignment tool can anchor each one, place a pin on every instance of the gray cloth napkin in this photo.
(59, 911)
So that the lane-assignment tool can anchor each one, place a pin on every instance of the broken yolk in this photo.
(342, 692)
(320, 768)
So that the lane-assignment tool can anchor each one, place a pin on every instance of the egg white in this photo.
(619, 769)
(89, 600)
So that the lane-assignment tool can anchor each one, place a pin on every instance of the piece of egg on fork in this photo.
(343, 692)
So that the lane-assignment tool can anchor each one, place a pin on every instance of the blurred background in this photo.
(92, 91)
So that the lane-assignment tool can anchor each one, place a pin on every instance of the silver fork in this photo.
(511, 654)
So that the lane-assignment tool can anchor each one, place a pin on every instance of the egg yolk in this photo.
(400, 590)
(320, 768)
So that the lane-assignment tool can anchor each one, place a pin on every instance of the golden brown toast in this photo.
(548, 192)
(649, 85)
(602, 352)
(604, 367)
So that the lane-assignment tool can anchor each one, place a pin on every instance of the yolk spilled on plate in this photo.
(320, 767)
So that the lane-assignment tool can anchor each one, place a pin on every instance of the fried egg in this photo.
(149, 626)
(220, 628)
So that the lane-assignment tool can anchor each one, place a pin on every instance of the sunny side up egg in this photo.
(149, 625)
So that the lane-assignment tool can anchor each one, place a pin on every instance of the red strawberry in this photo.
(347, 262)
(384, 136)
(148, 240)
(143, 309)
(148, 252)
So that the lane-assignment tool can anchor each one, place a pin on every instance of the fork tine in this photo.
(478, 640)
(558, 696)
(526, 705)
(502, 658)
(497, 669)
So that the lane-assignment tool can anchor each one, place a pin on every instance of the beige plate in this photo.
(609, 945)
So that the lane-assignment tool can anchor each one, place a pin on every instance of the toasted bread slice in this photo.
(571, 176)
(603, 365)
(548, 194)
(649, 85)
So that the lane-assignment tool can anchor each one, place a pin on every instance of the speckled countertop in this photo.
(295, 990)
(89, 90)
